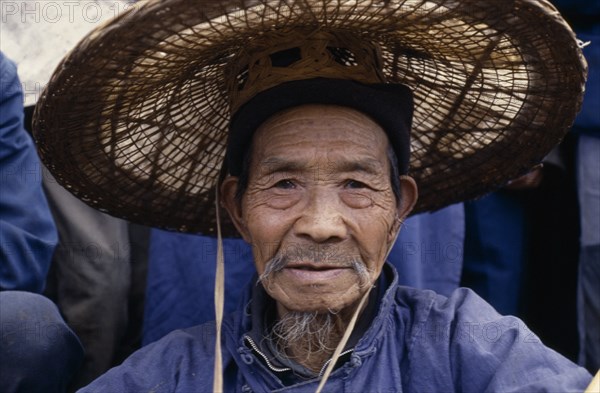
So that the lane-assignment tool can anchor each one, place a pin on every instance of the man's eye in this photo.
(285, 184)
(355, 184)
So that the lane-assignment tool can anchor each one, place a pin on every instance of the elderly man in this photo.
(321, 237)
(297, 118)
(320, 241)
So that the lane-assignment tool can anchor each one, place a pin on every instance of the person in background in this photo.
(27, 240)
(584, 16)
(97, 274)
(538, 215)
(27, 232)
(552, 221)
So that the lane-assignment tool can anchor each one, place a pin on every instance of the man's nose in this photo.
(322, 219)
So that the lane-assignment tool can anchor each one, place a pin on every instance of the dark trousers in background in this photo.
(39, 353)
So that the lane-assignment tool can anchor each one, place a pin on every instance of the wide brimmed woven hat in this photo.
(135, 120)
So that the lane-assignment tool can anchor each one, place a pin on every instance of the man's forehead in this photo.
(330, 138)
(317, 127)
(320, 114)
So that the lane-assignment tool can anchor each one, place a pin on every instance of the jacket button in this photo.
(247, 358)
(246, 389)
(355, 361)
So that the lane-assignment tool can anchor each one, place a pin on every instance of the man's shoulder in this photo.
(198, 336)
(426, 304)
(181, 360)
(465, 340)
(199, 339)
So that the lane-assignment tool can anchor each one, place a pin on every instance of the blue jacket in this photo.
(418, 342)
(584, 17)
(27, 232)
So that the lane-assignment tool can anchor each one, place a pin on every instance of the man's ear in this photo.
(233, 205)
(408, 199)
(408, 196)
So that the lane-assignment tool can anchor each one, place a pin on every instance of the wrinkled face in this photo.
(319, 200)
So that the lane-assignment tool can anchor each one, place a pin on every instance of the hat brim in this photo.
(135, 120)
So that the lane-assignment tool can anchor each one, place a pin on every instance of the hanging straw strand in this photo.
(219, 300)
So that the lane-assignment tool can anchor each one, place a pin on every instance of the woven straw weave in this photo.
(320, 54)
(134, 121)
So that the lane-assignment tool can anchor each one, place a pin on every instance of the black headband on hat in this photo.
(389, 105)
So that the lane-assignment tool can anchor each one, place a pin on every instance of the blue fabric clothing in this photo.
(418, 342)
(428, 253)
(38, 351)
(27, 233)
(181, 269)
(588, 307)
(181, 277)
(584, 17)
(588, 119)
(496, 249)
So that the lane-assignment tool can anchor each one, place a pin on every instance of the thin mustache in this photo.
(280, 261)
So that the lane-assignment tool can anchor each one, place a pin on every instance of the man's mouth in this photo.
(313, 267)
(314, 272)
